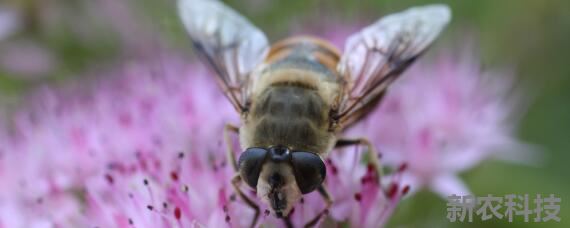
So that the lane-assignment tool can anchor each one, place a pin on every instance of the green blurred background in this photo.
(533, 36)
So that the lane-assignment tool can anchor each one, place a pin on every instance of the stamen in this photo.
(177, 213)
(174, 175)
(392, 190)
(403, 167)
(370, 167)
(109, 178)
(358, 197)
(363, 180)
(185, 188)
(405, 190)
(145, 181)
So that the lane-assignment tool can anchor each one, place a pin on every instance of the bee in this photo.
(296, 97)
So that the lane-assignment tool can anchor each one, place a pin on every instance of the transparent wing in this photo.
(226, 41)
(379, 53)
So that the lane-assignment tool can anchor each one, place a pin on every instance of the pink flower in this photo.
(27, 59)
(359, 196)
(59, 143)
(9, 22)
(445, 117)
(143, 145)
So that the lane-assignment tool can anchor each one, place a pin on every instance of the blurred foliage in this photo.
(530, 35)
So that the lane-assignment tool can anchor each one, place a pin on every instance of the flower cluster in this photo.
(142, 146)
(445, 117)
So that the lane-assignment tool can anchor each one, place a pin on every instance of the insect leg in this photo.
(372, 152)
(230, 154)
(328, 203)
(287, 222)
(236, 180)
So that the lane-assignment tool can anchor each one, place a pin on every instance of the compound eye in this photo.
(310, 171)
(250, 162)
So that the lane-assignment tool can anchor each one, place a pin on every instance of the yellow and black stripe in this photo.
(304, 52)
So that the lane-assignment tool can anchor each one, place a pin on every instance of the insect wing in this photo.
(227, 42)
(378, 54)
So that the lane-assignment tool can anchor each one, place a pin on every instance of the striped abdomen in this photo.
(293, 96)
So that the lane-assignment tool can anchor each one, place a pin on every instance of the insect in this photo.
(297, 96)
